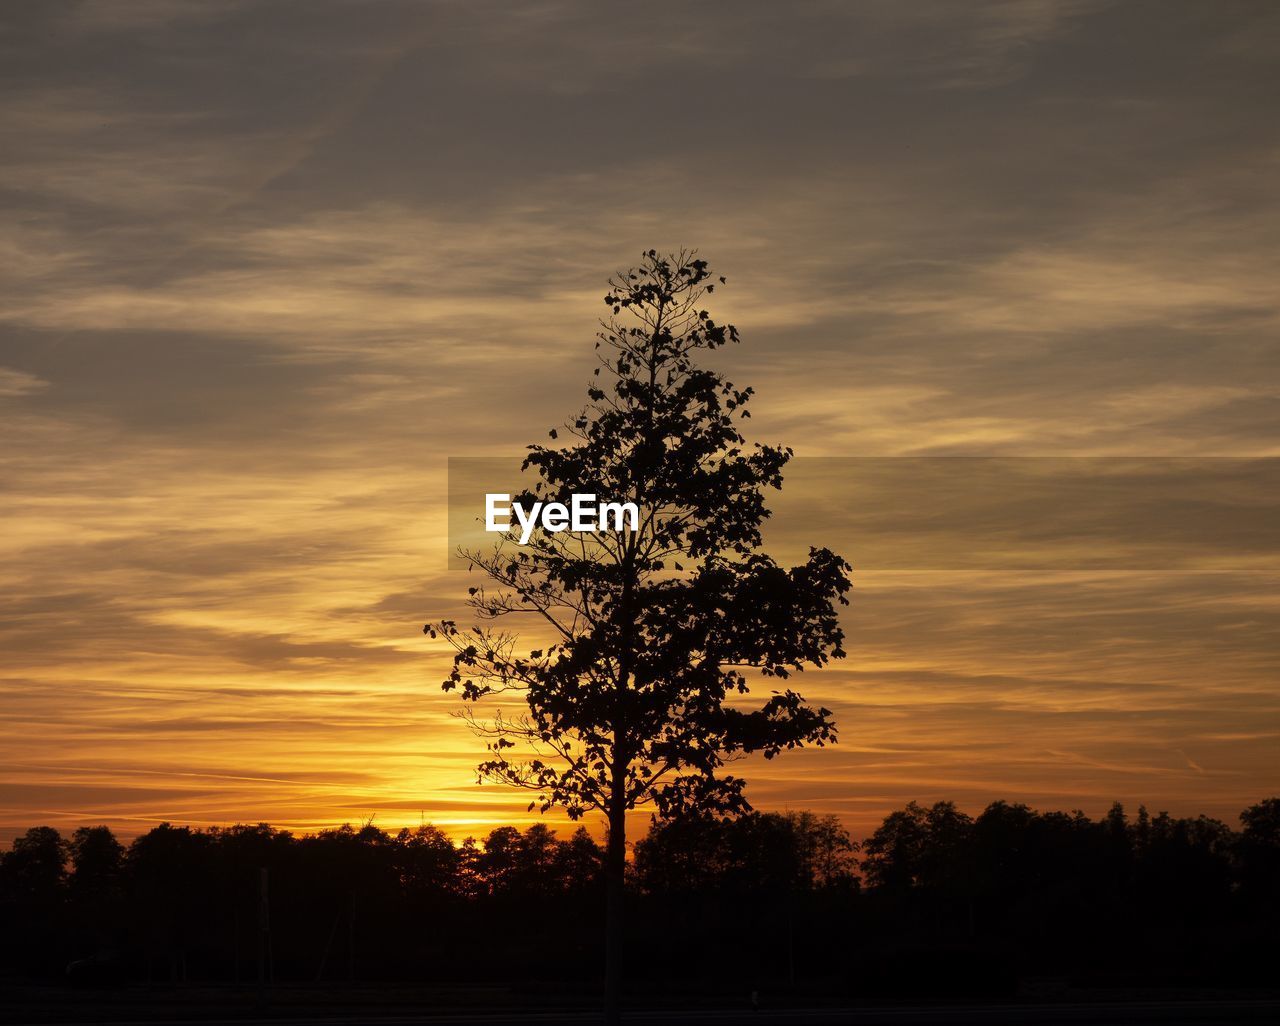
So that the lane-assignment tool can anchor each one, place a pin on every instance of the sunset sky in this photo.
(267, 266)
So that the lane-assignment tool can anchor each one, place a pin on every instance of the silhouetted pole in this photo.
(333, 932)
(351, 941)
(791, 937)
(615, 876)
(264, 932)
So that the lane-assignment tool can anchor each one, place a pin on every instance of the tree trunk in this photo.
(615, 873)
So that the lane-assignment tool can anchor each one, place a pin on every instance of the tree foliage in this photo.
(639, 696)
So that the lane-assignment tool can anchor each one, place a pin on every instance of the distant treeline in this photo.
(934, 902)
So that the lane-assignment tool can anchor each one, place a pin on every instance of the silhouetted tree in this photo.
(35, 869)
(759, 851)
(32, 896)
(497, 861)
(160, 866)
(579, 861)
(650, 630)
(94, 888)
(428, 862)
(1187, 857)
(1259, 852)
(97, 858)
(893, 854)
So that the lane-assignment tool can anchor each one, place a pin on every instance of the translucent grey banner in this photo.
(985, 513)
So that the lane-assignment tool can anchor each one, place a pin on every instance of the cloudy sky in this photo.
(267, 266)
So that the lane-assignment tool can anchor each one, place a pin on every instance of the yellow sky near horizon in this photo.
(267, 268)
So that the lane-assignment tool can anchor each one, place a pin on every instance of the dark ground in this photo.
(303, 1006)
